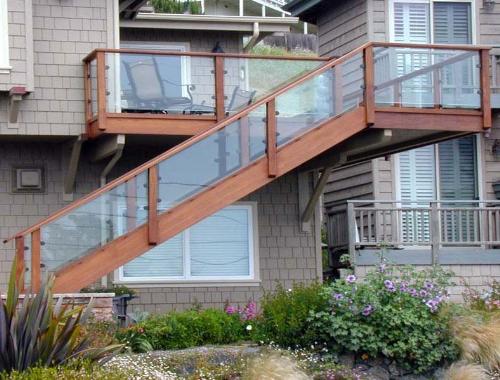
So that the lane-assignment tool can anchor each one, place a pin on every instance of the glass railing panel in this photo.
(95, 223)
(160, 84)
(427, 78)
(93, 87)
(207, 161)
(247, 80)
(331, 93)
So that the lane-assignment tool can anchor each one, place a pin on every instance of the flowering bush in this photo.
(486, 300)
(284, 315)
(184, 329)
(391, 314)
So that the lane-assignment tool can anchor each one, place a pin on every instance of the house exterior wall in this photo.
(286, 254)
(343, 27)
(57, 35)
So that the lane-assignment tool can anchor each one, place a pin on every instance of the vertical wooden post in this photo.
(88, 95)
(351, 225)
(271, 138)
(436, 78)
(35, 261)
(244, 141)
(20, 265)
(101, 89)
(220, 112)
(485, 87)
(435, 233)
(153, 205)
(131, 204)
(369, 85)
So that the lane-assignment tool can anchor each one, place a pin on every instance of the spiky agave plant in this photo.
(36, 331)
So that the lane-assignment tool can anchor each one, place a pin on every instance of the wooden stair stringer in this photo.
(89, 268)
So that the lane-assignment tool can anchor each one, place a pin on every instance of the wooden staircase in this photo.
(347, 100)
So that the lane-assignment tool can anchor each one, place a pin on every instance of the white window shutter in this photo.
(411, 22)
(452, 23)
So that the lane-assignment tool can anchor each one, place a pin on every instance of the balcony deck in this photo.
(422, 233)
(129, 91)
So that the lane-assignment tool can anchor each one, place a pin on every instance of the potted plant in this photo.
(123, 295)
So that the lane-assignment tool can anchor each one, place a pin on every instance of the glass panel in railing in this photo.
(93, 86)
(95, 223)
(160, 84)
(348, 82)
(304, 106)
(209, 160)
(249, 79)
(426, 78)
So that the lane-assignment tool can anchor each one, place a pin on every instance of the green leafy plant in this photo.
(119, 290)
(486, 300)
(285, 312)
(184, 329)
(395, 312)
(38, 332)
(176, 6)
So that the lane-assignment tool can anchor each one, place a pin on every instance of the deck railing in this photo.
(435, 224)
(252, 136)
(188, 87)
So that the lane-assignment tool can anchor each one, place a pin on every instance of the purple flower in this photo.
(351, 279)
(404, 286)
(428, 285)
(249, 312)
(367, 310)
(382, 267)
(423, 293)
(413, 292)
(231, 309)
(432, 304)
(389, 285)
(338, 296)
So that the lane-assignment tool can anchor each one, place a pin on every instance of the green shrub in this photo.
(176, 6)
(284, 315)
(392, 314)
(72, 371)
(39, 332)
(486, 300)
(184, 329)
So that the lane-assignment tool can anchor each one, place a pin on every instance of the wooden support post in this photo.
(318, 190)
(351, 225)
(20, 266)
(485, 87)
(101, 89)
(435, 233)
(153, 205)
(88, 95)
(220, 112)
(244, 141)
(436, 78)
(369, 85)
(271, 139)
(35, 261)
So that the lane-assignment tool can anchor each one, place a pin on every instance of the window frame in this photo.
(4, 38)
(253, 275)
(431, 16)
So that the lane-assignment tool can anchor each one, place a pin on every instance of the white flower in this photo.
(249, 327)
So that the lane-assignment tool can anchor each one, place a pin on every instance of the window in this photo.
(4, 37)
(220, 247)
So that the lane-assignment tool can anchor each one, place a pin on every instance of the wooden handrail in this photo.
(94, 52)
(243, 113)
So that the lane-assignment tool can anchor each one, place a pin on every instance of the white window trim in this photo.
(4, 38)
(187, 280)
